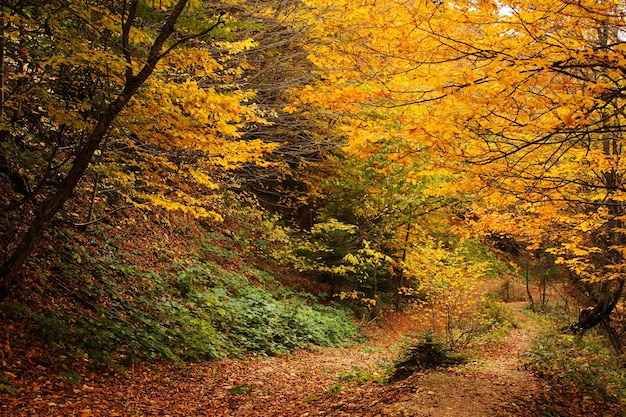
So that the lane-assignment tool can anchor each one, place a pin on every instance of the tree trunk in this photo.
(50, 207)
(375, 282)
(614, 337)
(605, 305)
(400, 282)
(530, 295)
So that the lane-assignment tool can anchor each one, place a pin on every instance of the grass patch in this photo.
(7, 386)
(358, 376)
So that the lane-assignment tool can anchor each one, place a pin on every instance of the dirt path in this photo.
(324, 382)
(492, 386)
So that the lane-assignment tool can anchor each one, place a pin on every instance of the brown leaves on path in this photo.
(296, 384)
(321, 382)
(494, 385)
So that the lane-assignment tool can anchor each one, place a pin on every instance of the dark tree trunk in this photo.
(11, 268)
(602, 310)
(400, 280)
(50, 207)
(530, 295)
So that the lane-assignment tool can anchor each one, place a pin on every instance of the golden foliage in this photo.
(519, 101)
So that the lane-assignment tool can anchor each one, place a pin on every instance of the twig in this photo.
(100, 218)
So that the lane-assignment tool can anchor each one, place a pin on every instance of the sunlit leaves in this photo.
(521, 101)
(445, 285)
(171, 147)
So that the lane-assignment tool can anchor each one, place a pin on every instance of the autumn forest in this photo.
(312, 207)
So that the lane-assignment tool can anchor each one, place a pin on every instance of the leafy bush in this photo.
(495, 320)
(257, 321)
(199, 312)
(476, 251)
(486, 323)
(496, 314)
(578, 367)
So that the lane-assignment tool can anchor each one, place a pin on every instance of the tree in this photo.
(523, 98)
(387, 184)
(70, 71)
(546, 136)
(445, 285)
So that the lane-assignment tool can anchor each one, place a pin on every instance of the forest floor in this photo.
(318, 382)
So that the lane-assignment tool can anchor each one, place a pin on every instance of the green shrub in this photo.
(496, 314)
(476, 251)
(425, 353)
(583, 367)
(258, 322)
(357, 376)
(492, 321)
(197, 312)
(6, 386)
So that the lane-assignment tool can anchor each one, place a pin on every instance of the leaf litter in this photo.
(315, 382)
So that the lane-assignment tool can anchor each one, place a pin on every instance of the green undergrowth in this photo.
(196, 310)
(358, 376)
(424, 351)
(583, 375)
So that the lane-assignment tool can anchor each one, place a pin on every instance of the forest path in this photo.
(322, 382)
(494, 385)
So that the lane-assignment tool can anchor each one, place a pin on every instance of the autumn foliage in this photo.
(517, 103)
(370, 145)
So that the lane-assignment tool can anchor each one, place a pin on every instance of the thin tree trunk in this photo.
(614, 337)
(544, 289)
(375, 282)
(2, 75)
(400, 282)
(530, 296)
